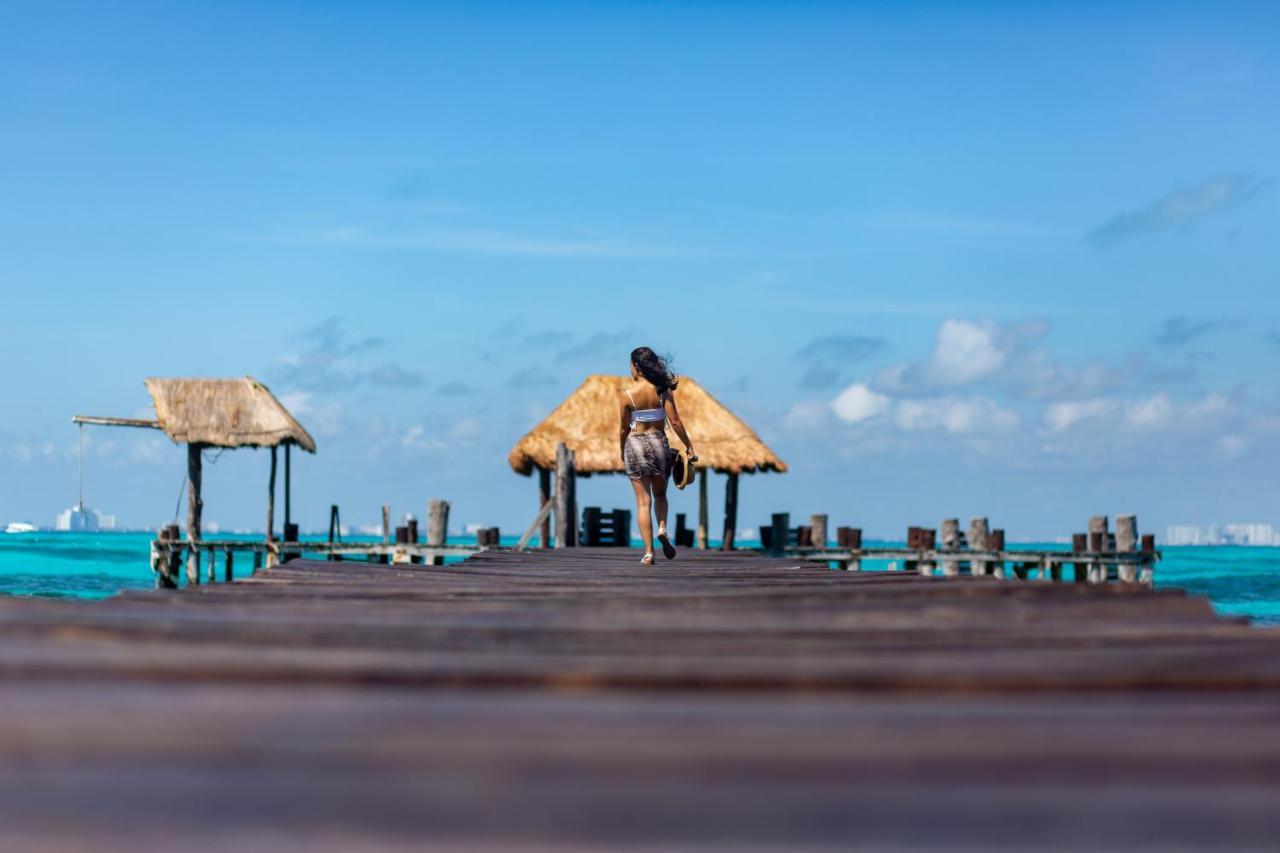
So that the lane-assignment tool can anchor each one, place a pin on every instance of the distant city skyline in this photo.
(949, 260)
(1233, 533)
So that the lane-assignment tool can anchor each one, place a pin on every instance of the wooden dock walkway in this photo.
(575, 700)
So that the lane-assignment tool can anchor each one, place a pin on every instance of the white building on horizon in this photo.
(1257, 534)
(80, 518)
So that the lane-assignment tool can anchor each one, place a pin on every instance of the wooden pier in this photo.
(572, 699)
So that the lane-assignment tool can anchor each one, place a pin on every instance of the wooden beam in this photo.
(121, 422)
(542, 521)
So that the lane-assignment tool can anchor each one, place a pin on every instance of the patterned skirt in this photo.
(647, 454)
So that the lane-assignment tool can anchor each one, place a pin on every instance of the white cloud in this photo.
(859, 403)
(956, 416)
(968, 351)
(964, 352)
(1060, 417)
(1155, 412)
(808, 416)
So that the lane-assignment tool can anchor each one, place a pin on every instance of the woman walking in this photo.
(645, 407)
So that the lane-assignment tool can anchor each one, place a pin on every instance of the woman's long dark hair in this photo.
(654, 368)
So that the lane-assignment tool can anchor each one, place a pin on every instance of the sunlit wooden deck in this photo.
(575, 699)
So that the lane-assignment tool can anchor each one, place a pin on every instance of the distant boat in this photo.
(20, 527)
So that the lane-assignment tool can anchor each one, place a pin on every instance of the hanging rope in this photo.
(177, 506)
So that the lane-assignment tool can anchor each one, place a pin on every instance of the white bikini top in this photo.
(646, 416)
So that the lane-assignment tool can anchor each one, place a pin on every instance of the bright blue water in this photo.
(1239, 581)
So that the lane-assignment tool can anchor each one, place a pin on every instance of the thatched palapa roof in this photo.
(225, 413)
(587, 422)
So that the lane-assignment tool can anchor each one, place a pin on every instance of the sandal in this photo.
(647, 559)
(668, 550)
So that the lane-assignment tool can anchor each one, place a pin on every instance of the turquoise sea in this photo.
(1239, 581)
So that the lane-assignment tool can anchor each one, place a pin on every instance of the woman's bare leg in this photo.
(658, 485)
(644, 513)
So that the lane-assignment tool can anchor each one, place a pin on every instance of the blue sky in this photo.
(948, 259)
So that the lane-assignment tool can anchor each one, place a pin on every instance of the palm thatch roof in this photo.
(225, 413)
(587, 422)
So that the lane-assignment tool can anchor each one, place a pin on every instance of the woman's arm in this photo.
(673, 415)
(624, 414)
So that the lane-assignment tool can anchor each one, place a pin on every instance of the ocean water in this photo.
(1238, 581)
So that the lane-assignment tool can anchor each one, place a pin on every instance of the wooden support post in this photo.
(1127, 543)
(290, 535)
(781, 531)
(928, 541)
(702, 509)
(288, 485)
(437, 526)
(386, 525)
(411, 537)
(566, 511)
(1098, 541)
(195, 507)
(213, 566)
(1080, 544)
(228, 572)
(1147, 574)
(995, 542)
(544, 499)
(161, 560)
(913, 542)
(850, 539)
(174, 556)
(590, 536)
(951, 540)
(271, 507)
(335, 531)
(730, 510)
(818, 530)
(978, 534)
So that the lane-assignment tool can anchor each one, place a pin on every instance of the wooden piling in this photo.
(544, 498)
(437, 526)
(995, 542)
(850, 539)
(979, 531)
(162, 559)
(1147, 574)
(213, 567)
(228, 572)
(290, 534)
(818, 530)
(913, 542)
(730, 510)
(780, 530)
(1080, 544)
(566, 511)
(1127, 543)
(386, 524)
(195, 507)
(1098, 541)
(702, 509)
(951, 540)
(928, 540)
